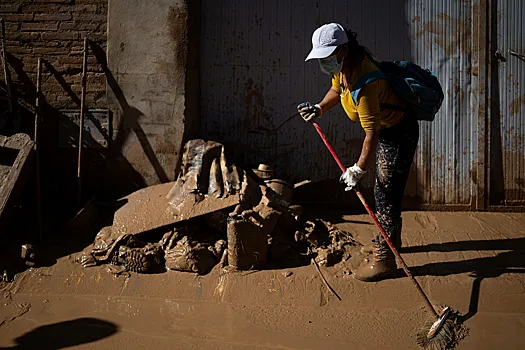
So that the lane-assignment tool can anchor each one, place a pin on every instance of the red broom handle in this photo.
(371, 213)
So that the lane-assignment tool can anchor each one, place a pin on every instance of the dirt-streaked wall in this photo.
(155, 84)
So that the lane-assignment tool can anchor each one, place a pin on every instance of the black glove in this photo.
(309, 112)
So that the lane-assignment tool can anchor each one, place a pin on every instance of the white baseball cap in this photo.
(325, 40)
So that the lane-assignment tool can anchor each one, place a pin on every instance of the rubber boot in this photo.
(368, 248)
(382, 264)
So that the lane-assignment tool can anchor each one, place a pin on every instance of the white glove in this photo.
(309, 112)
(352, 176)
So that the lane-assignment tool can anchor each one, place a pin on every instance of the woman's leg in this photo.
(394, 156)
(395, 153)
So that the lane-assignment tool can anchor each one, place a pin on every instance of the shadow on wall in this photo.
(112, 176)
(66, 334)
(59, 165)
(129, 121)
(107, 175)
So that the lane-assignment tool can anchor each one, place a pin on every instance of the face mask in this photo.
(330, 65)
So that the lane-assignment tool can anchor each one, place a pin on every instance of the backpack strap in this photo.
(365, 79)
(368, 78)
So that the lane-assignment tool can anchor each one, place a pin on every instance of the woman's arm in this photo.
(368, 150)
(330, 99)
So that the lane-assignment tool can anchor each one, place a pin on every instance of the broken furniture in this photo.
(15, 168)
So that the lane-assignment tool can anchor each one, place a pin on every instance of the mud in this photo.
(473, 262)
(515, 107)
(149, 209)
(200, 227)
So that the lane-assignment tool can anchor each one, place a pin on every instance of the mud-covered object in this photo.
(206, 171)
(248, 231)
(145, 259)
(194, 257)
(126, 250)
(329, 244)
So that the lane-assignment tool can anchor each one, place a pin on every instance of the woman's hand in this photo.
(352, 176)
(309, 112)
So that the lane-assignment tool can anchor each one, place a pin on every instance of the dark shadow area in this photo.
(474, 299)
(479, 268)
(79, 232)
(505, 262)
(105, 176)
(496, 176)
(89, 142)
(72, 237)
(497, 244)
(330, 195)
(261, 78)
(129, 120)
(66, 334)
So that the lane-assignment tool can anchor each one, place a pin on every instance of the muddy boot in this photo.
(369, 248)
(382, 264)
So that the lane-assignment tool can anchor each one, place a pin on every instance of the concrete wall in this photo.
(154, 82)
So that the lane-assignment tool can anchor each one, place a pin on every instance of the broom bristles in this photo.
(447, 338)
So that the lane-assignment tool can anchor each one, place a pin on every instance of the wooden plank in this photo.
(16, 171)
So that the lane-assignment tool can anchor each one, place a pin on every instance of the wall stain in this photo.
(515, 106)
(450, 34)
(255, 109)
(178, 31)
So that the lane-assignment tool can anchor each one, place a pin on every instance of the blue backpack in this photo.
(418, 87)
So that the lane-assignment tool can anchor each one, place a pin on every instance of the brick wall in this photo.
(54, 30)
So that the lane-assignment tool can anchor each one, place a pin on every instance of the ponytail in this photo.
(356, 52)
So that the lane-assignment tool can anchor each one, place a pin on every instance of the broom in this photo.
(444, 330)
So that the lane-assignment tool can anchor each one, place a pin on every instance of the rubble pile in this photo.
(215, 213)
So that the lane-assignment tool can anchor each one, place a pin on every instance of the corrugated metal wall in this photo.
(507, 142)
(253, 75)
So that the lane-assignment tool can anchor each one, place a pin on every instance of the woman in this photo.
(392, 133)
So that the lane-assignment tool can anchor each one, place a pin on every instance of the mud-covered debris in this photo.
(215, 213)
(287, 273)
(28, 255)
(5, 277)
(194, 256)
(248, 232)
(330, 244)
(264, 172)
(127, 250)
(86, 259)
(170, 238)
(281, 187)
(144, 259)
(205, 171)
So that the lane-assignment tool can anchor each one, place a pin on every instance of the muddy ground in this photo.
(473, 262)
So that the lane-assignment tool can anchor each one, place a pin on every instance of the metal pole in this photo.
(6, 70)
(37, 148)
(81, 125)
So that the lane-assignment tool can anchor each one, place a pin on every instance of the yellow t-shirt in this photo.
(367, 110)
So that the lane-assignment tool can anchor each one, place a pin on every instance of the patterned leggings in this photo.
(394, 156)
